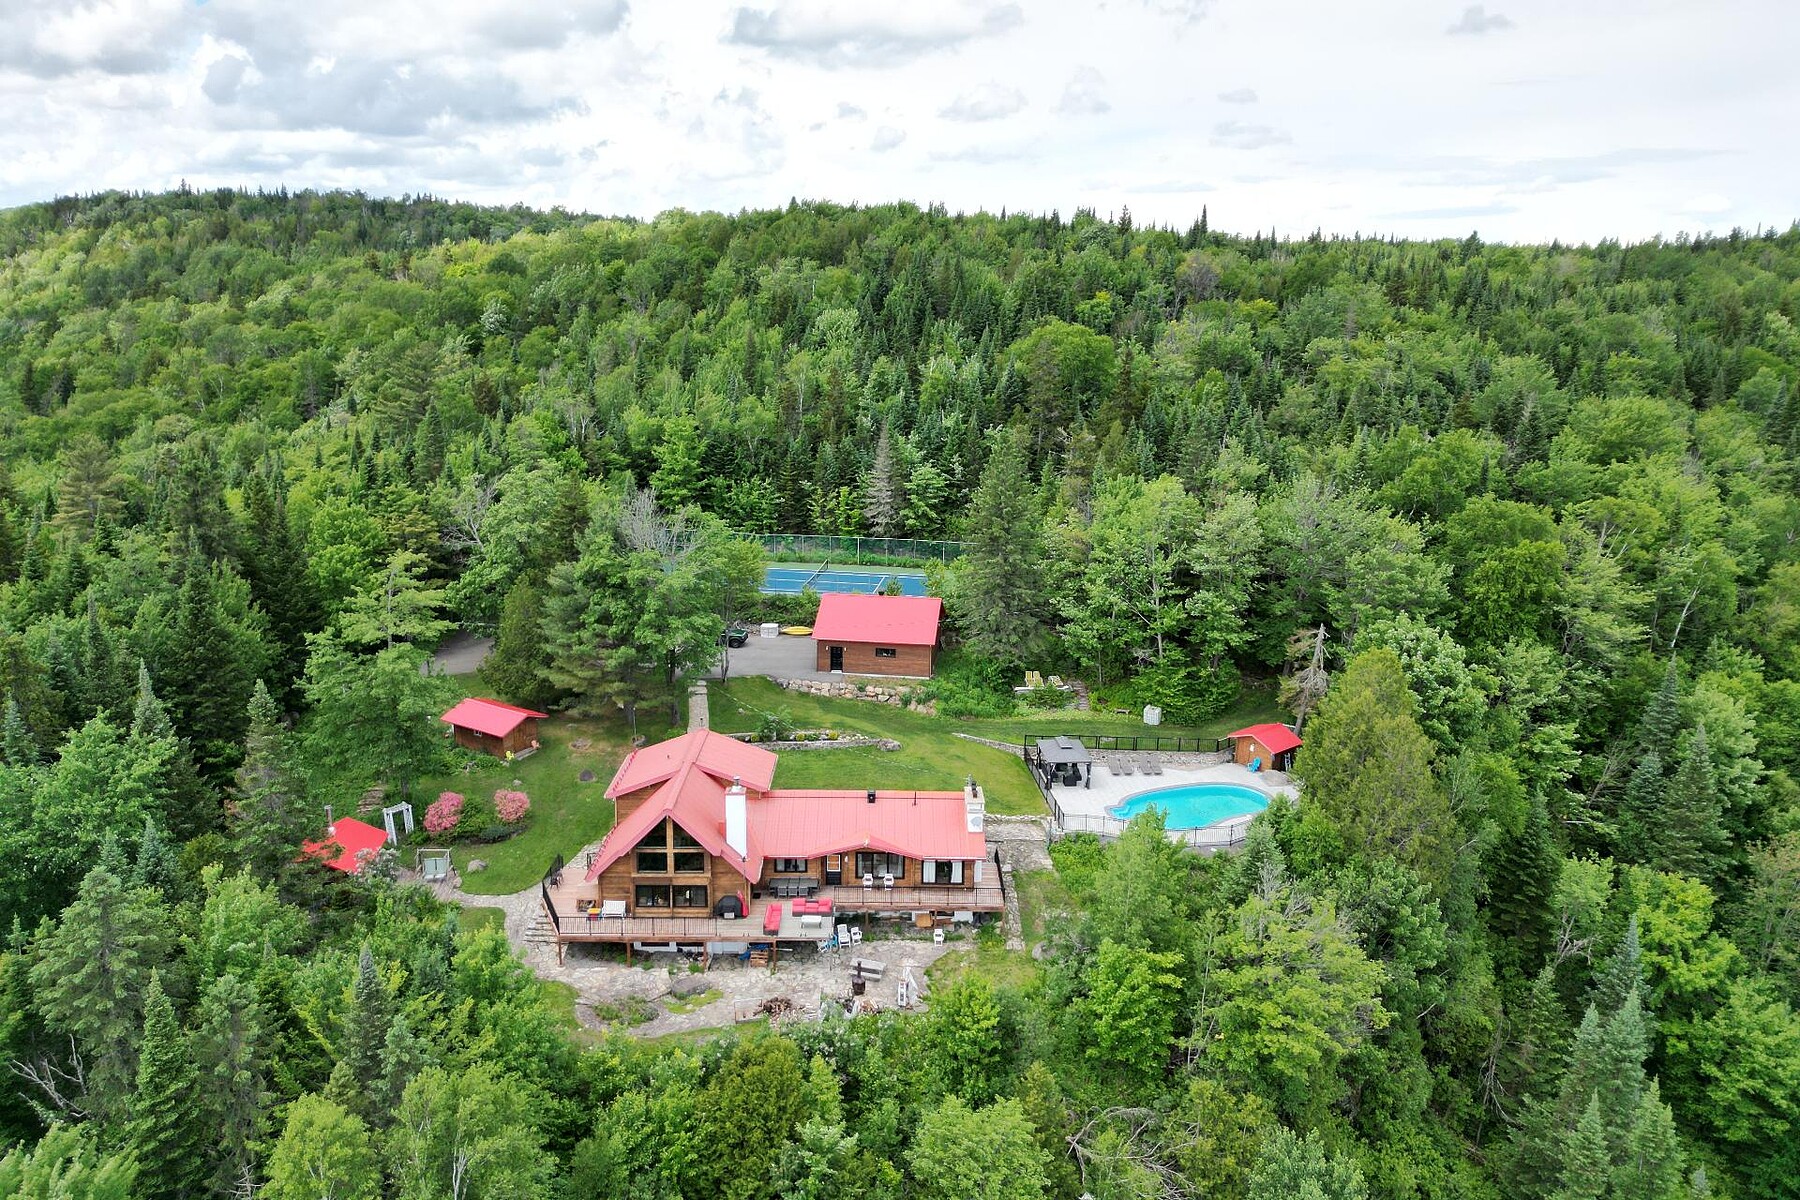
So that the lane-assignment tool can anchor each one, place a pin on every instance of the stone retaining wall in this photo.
(881, 693)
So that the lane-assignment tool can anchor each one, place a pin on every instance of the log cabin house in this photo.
(706, 852)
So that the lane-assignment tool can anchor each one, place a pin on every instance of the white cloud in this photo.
(618, 107)
(1240, 135)
(1477, 20)
(989, 102)
(1084, 95)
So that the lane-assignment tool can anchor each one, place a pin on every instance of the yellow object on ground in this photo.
(797, 630)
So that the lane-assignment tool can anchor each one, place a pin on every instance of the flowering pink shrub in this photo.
(442, 816)
(511, 806)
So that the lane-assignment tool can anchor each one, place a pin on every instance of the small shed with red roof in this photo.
(345, 844)
(494, 727)
(1273, 744)
(878, 635)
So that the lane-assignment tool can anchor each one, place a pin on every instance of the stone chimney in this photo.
(974, 806)
(737, 819)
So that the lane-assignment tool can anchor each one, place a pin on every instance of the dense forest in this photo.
(1513, 526)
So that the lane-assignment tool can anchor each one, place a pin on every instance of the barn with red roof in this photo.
(878, 635)
(494, 727)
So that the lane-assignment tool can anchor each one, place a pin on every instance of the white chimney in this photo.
(737, 820)
(974, 806)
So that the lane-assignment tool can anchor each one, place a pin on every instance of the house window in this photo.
(790, 866)
(670, 845)
(941, 870)
(690, 895)
(652, 895)
(886, 652)
(876, 863)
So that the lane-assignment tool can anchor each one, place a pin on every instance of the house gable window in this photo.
(886, 652)
(876, 863)
(669, 849)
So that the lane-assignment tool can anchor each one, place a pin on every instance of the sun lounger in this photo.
(1126, 765)
(1152, 765)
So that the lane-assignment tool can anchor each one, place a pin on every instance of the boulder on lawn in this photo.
(687, 985)
(477, 864)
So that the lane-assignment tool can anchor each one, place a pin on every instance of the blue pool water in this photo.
(791, 581)
(1194, 805)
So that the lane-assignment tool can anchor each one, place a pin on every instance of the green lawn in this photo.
(566, 814)
(929, 758)
(473, 919)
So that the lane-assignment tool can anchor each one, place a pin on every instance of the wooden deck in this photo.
(573, 925)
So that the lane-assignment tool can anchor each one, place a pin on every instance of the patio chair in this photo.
(1127, 765)
(868, 880)
(887, 881)
(1152, 765)
(855, 936)
(843, 936)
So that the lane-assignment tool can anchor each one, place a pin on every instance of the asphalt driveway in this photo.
(777, 657)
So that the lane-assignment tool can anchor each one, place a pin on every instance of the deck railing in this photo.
(1107, 829)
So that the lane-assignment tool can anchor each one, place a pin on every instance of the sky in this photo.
(1523, 120)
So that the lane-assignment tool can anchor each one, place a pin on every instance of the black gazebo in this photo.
(1064, 760)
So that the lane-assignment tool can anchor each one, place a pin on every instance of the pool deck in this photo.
(1085, 805)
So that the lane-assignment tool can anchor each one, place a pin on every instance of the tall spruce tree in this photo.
(357, 1078)
(1000, 593)
(1687, 837)
(231, 1058)
(168, 1124)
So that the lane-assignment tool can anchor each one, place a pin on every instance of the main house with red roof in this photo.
(496, 728)
(878, 635)
(705, 849)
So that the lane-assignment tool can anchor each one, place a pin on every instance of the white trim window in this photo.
(943, 870)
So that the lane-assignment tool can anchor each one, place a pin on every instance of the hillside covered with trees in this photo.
(1517, 528)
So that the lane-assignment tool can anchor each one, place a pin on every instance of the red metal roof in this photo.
(783, 824)
(883, 620)
(715, 754)
(1274, 738)
(488, 716)
(349, 837)
(806, 824)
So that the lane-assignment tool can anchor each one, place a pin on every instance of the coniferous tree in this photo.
(1000, 591)
(208, 687)
(187, 805)
(514, 669)
(356, 1079)
(167, 1123)
(89, 982)
(232, 1061)
(1687, 837)
(881, 495)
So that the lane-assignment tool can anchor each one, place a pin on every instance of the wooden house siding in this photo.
(1247, 748)
(860, 659)
(517, 741)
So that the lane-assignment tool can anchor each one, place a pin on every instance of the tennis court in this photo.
(791, 580)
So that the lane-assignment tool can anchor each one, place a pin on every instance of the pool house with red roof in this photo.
(704, 849)
(878, 635)
(1270, 747)
(493, 727)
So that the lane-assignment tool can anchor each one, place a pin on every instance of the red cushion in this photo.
(772, 919)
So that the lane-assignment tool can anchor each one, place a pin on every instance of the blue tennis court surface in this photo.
(791, 581)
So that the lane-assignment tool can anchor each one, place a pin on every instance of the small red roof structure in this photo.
(1276, 738)
(349, 838)
(489, 716)
(888, 620)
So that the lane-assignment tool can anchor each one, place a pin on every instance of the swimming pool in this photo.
(1194, 805)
